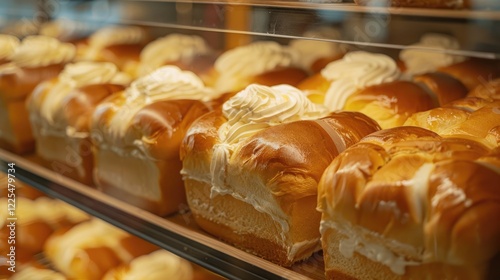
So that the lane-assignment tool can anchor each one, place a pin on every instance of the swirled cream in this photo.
(237, 65)
(430, 54)
(171, 48)
(355, 71)
(165, 83)
(38, 51)
(77, 75)
(253, 109)
(8, 44)
(30, 273)
(312, 50)
(159, 265)
(113, 35)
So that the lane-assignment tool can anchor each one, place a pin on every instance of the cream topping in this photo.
(356, 71)
(74, 76)
(8, 44)
(113, 35)
(38, 51)
(312, 50)
(165, 83)
(159, 265)
(171, 48)
(30, 273)
(251, 60)
(251, 110)
(430, 54)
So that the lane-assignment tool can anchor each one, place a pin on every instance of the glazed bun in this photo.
(405, 203)
(136, 136)
(37, 59)
(60, 111)
(251, 169)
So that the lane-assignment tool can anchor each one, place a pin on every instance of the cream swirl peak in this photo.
(38, 51)
(258, 107)
(165, 83)
(8, 44)
(117, 35)
(355, 71)
(77, 75)
(311, 50)
(253, 59)
(430, 53)
(171, 48)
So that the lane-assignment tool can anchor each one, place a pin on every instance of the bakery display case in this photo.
(461, 42)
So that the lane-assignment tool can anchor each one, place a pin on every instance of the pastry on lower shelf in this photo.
(489, 89)
(120, 45)
(8, 44)
(188, 52)
(315, 53)
(439, 4)
(405, 203)
(371, 84)
(470, 117)
(251, 169)
(262, 62)
(158, 265)
(38, 273)
(90, 249)
(37, 59)
(137, 133)
(60, 112)
(17, 187)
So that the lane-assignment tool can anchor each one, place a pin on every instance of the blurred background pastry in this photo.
(262, 62)
(137, 134)
(32, 272)
(8, 44)
(90, 249)
(37, 59)
(405, 203)
(60, 112)
(251, 169)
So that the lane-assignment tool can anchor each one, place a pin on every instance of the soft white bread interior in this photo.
(136, 136)
(405, 203)
(60, 112)
(251, 170)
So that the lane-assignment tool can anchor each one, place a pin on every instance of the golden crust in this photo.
(444, 87)
(487, 90)
(473, 72)
(438, 195)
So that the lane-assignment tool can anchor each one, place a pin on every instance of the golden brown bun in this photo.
(390, 104)
(160, 128)
(473, 118)
(90, 249)
(436, 4)
(15, 86)
(445, 88)
(71, 154)
(487, 90)
(281, 165)
(418, 198)
(121, 55)
(322, 62)
(473, 72)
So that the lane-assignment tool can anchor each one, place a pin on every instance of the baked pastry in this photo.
(405, 203)
(157, 265)
(90, 249)
(20, 28)
(188, 52)
(371, 84)
(60, 111)
(38, 273)
(21, 189)
(487, 90)
(474, 71)
(262, 62)
(471, 117)
(65, 30)
(37, 59)
(120, 45)
(251, 169)
(137, 133)
(8, 44)
(316, 54)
